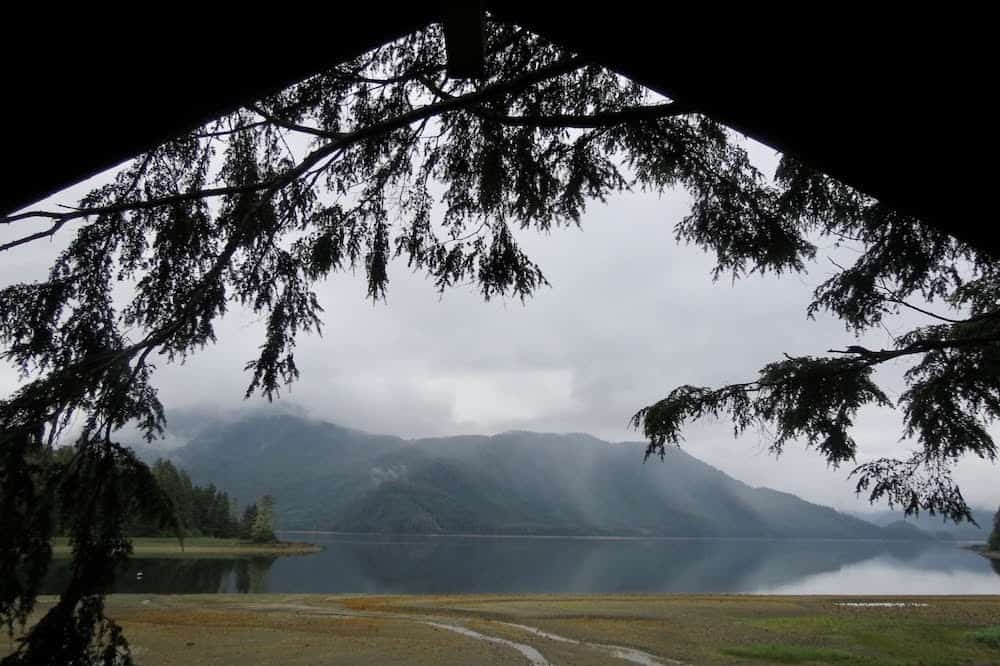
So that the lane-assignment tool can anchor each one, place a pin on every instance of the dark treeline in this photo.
(201, 510)
(206, 510)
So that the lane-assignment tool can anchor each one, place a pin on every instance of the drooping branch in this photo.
(338, 142)
(574, 121)
(693, 403)
(970, 320)
(595, 120)
(48, 233)
(874, 357)
(915, 308)
(162, 334)
(142, 204)
(892, 297)
(814, 399)
(913, 485)
(514, 85)
(295, 127)
(212, 134)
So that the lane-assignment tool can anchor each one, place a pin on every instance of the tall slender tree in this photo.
(247, 521)
(262, 530)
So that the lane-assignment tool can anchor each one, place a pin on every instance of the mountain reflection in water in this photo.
(384, 564)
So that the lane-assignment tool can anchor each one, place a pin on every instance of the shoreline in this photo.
(957, 543)
(624, 537)
(201, 547)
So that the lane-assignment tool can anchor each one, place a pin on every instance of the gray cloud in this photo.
(630, 315)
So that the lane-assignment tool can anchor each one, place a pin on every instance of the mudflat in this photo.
(555, 629)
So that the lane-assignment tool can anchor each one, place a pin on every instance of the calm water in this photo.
(452, 565)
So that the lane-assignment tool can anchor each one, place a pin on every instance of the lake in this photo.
(382, 564)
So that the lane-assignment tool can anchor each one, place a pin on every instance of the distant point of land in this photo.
(984, 550)
(202, 547)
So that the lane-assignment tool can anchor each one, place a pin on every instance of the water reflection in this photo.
(174, 575)
(452, 565)
(251, 574)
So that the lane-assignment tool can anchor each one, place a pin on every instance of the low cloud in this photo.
(630, 315)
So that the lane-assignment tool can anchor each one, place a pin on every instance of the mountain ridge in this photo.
(330, 477)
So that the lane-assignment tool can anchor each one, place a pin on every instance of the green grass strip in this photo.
(789, 654)
(989, 636)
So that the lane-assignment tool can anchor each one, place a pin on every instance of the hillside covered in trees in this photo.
(333, 478)
(201, 510)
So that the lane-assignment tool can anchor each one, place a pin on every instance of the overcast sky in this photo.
(629, 316)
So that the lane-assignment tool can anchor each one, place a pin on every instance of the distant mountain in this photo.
(900, 529)
(328, 477)
(938, 526)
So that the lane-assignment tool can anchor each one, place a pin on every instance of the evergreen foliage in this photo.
(247, 522)
(262, 529)
(235, 212)
(200, 511)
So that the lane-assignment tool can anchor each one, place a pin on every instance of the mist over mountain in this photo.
(937, 526)
(328, 477)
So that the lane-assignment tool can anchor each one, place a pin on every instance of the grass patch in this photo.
(789, 654)
(989, 636)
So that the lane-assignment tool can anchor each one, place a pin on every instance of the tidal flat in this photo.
(236, 629)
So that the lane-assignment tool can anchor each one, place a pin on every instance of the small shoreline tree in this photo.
(247, 521)
(262, 530)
